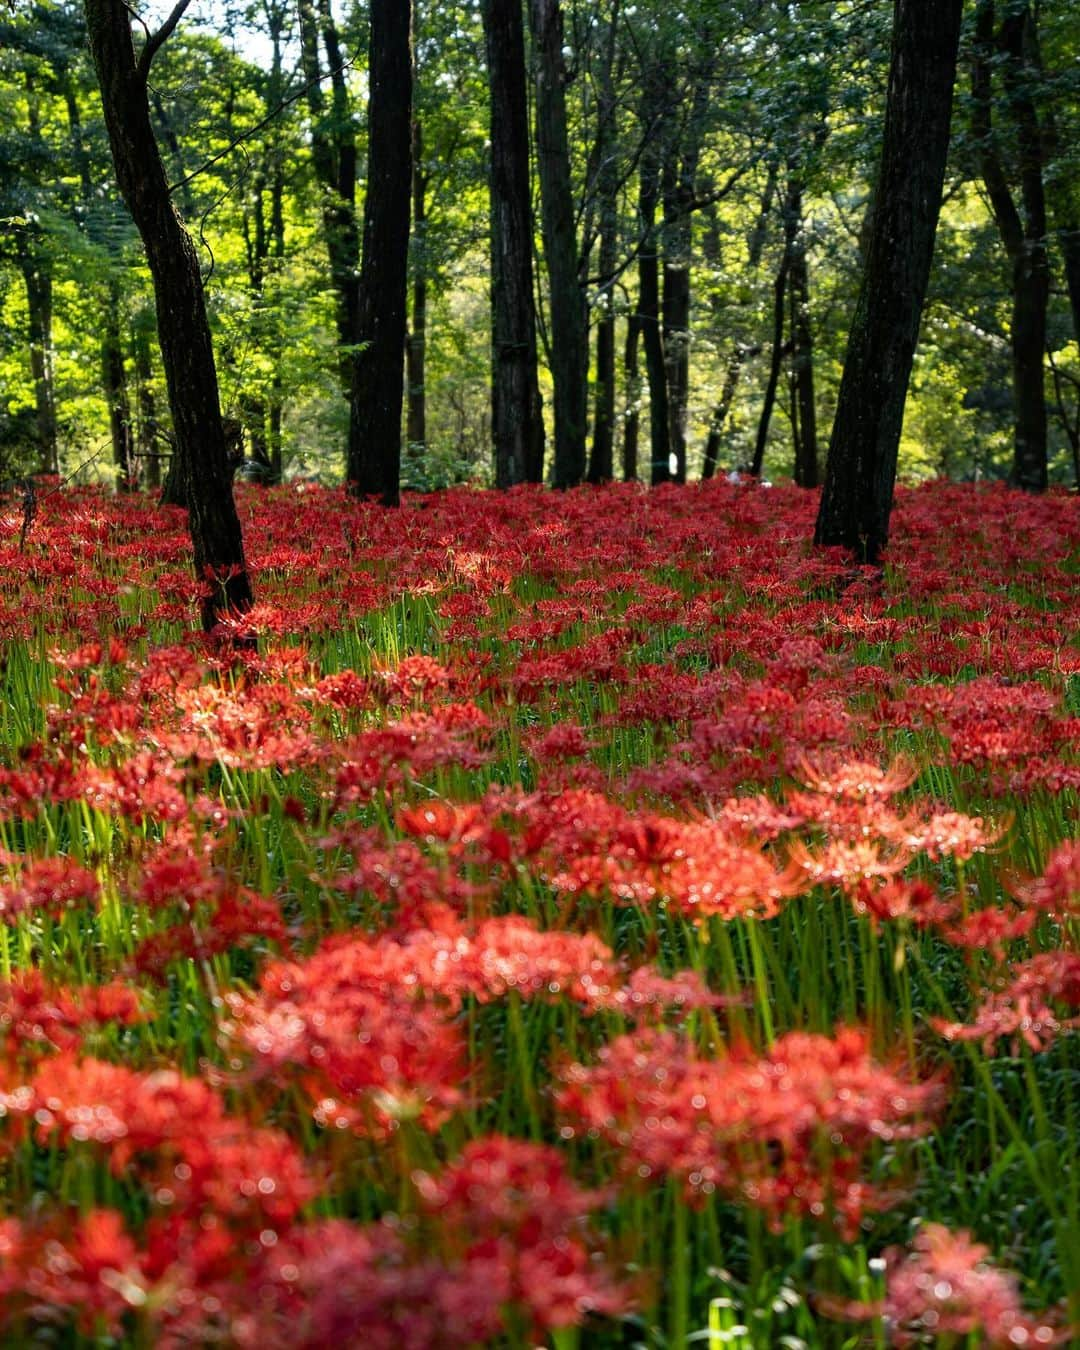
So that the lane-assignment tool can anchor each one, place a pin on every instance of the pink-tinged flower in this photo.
(1057, 891)
(1039, 1002)
(946, 1286)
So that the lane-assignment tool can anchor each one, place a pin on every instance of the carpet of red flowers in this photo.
(578, 917)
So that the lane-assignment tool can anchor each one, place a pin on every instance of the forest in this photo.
(689, 183)
(539, 674)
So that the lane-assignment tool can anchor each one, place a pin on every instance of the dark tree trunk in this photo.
(114, 379)
(720, 412)
(602, 454)
(516, 410)
(632, 420)
(648, 316)
(754, 249)
(38, 281)
(187, 354)
(148, 448)
(379, 361)
(775, 360)
(861, 472)
(804, 410)
(333, 157)
(679, 188)
(1024, 237)
(416, 349)
(569, 314)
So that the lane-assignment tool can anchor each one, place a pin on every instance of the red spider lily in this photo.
(946, 1286)
(789, 1132)
(91, 1269)
(49, 886)
(1057, 891)
(1024, 1010)
(37, 1015)
(513, 1202)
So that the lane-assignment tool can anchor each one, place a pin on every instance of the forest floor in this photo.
(587, 919)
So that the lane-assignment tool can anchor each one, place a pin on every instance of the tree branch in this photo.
(155, 41)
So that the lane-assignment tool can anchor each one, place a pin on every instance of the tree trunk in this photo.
(648, 309)
(754, 248)
(632, 420)
(602, 455)
(804, 411)
(861, 472)
(569, 315)
(148, 450)
(516, 410)
(183, 332)
(38, 281)
(379, 360)
(333, 157)
(114, 379)
(679, 188)
(1024, 237)
(416, 348)
(775, 360)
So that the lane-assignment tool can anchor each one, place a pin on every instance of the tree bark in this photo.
(569, 314)
(148, 450)
(379, 361)
(516, 410)
(775, 361)
(183, 331)
(38, 282)
(1024, 236)
(333, 157)
(114, 379)
(755, 246)
(602, 453)
(804, 410)
(679, 188)
(416, 348)
(648, 308)
(632, 420)
(856, 502)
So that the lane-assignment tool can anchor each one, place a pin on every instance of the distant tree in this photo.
(200, 457)
(516, 410)
(861, 471)
(378, 376)
(569, 330)
(1022, 227)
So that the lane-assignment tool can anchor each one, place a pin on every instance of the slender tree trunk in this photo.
(775, 361)
(1024, 236)
(720, 412)
(632, 419)
(114, 379)
(516, 410)
(602, 456)
(742, 351)
(804, 419)
(38, 282)
(648, 309)
(679, 189)
(416, 349)
(148, 449)
(183, 331)
(333, 157)
(379, 361)
(569, 315)
(856, 502)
